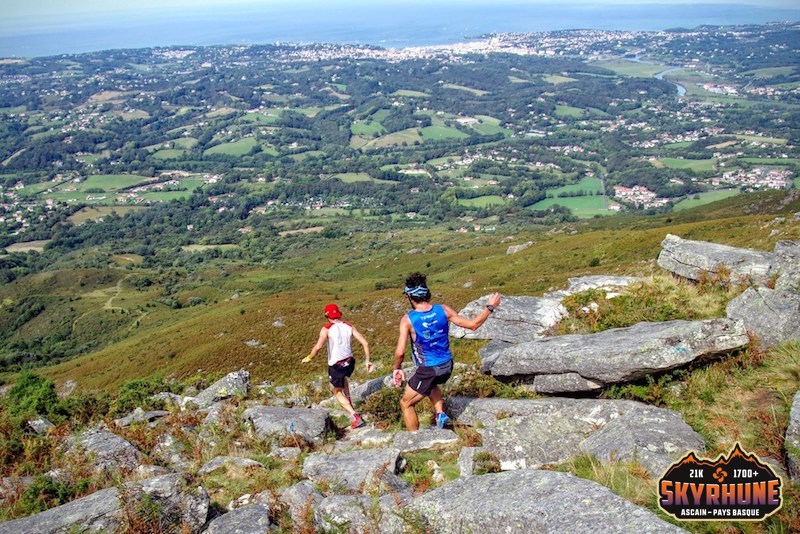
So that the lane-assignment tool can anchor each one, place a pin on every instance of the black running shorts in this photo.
(425, 378)
(338, 372)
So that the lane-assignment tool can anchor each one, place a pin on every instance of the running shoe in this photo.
(357, 421)
(442, 421)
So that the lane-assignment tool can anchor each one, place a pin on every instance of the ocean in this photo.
(391, 25)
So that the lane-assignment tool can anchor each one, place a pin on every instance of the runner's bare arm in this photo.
(400, 351)
(323, 337)
(478, 320)
(361, 339)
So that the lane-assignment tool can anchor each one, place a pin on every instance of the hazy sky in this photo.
(78, 8)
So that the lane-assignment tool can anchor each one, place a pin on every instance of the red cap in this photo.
(332, 311)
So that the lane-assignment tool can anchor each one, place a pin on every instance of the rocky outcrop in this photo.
(698, 259)
(108, 510)
(234, 384)
(530, 433)
(104, 450)
(251, 519)
(356, 471)
(278, 423)
(517, 319)
(792, 440)
(772, 315)
(532, 502)
(140, 416)
(423, 439)
(787, 259)
(586, 362)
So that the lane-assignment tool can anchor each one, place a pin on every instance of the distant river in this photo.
(391, 24)
(660, 76)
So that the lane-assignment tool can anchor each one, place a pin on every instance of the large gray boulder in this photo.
(516, 320)
(773, 316)
(585, 362)
(531, 433)
(278, 423)
(533, 502)
(104, 450)
(787, 259)
(358, 513)
(234, 384)
(697, 259)
(301, 500)
(251, 519)
(105, 510)
(140, 416)
(423, 439)
(792, 440)
(355, 471)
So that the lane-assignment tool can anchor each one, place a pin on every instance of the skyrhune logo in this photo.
(739, 487)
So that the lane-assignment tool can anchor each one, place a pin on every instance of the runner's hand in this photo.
(398, 376)
(306, 359)
(370, 367)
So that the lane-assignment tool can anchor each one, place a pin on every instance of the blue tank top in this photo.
(432, 343)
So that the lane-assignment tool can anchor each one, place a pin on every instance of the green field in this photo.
(580, 206)
(352, 177)
(759, 139)
(406, 92)
(367, 128)
(705, 198)
(169, 153)
(111, 182)
(439, 132)
(556, 79)
(697, 165)
(240, 147)
(482, 202)
(770, 72)
(632, 68)
(772, 161)
(92, 213)
(569, 111)
(681, 144)
(489, 126)
(476, 92)
(583, 206)
(200, 248)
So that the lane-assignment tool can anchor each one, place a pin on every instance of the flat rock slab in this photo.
(792, 440)
(516, 320)
(697, 259)
(252, 519)
(533, 502)
(616, 355)
(423, 439)
(279, 423)
(354, 470)
(530, 433)
(773, 316)
(105, 450)
(234, 462)
(234, 384)
(358, 513)
(102, 511)
(140, 416)
(787, 256)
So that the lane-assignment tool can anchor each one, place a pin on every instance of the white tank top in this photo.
(339, 335)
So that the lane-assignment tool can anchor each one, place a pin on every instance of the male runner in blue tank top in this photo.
(427, 325)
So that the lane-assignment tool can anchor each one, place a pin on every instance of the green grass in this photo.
(111, 182)
(697, 165)
(239, 147)
(556, 79)
(569, 111)
(169, 153)
(587, 206)
(632, 68)
(367, 128)
(270, 116)
(760, 139)
(476, 92)
(489, 126)
(407, 92)
(772, 161)
(93, 213)
(705, 198)
(438, 133)
(482, 202)
(351, 177)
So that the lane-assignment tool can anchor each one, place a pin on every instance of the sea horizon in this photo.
(387, 26)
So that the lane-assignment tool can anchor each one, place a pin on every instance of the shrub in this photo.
(137, 393)
(485, 462)
(473, 383)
